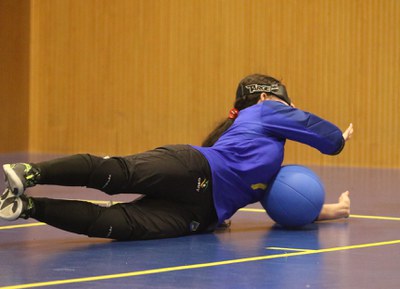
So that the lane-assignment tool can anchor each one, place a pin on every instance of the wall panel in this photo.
(14, 75)
(119, 77)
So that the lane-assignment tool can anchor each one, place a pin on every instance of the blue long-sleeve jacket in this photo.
(248, 155)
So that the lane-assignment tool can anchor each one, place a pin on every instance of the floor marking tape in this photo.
(290, 249)
(22, 226)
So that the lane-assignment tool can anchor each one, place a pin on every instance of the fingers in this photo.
(348, 132)
(344, 197)
(344, 203)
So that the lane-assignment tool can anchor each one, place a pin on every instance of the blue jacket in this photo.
(248, 155)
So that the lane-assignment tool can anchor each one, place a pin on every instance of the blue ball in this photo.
(295, 197)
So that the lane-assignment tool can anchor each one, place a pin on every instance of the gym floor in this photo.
(360, 252)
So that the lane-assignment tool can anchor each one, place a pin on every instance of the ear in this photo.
(264, 97)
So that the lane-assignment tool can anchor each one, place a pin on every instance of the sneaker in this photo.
(19, 177)
(11, 207)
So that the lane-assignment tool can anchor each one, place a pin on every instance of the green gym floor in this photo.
(362, 251)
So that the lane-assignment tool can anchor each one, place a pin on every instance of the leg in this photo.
(178, 173)
(69, 215)
(83, 218)
(73, 216)
(338, 210)
(141, 219)
(145, 218)
(107, 174)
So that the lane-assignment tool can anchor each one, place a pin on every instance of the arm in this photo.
(341, 209)
(297, 125)
(310, 129)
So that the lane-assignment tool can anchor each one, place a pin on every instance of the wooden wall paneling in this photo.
(122, 77)
(14, 75)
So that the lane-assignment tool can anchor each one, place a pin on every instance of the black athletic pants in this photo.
(175, 182)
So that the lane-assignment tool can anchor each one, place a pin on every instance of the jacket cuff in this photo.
(340, 149)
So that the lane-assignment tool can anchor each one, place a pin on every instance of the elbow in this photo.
(338, 148)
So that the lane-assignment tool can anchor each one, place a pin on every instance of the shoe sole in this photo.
(7, 213)
(14, 183)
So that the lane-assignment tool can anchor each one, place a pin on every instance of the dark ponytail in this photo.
(242, 101)
(240, 104)
(217, 132)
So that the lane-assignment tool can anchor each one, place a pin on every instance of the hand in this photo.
(338, 210)
(348, 132)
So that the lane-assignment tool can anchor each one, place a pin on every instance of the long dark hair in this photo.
(242, 101)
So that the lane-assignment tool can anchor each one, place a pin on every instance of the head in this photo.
(258, 87)
(251, 90)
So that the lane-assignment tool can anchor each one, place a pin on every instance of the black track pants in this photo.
(176, 182)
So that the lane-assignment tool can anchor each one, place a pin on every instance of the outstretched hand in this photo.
(348, 132)
(338, 210)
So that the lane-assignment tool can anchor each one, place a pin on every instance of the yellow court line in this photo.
(252, 210)
(290, 249)
(101, 202)
(22, 226)
(375, 217)
(197, 266)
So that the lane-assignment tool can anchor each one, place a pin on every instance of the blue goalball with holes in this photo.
(295, 197)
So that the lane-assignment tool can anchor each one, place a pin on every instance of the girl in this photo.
(186, 189)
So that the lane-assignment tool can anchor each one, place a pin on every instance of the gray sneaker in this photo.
(11, 207)
(20, 176)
